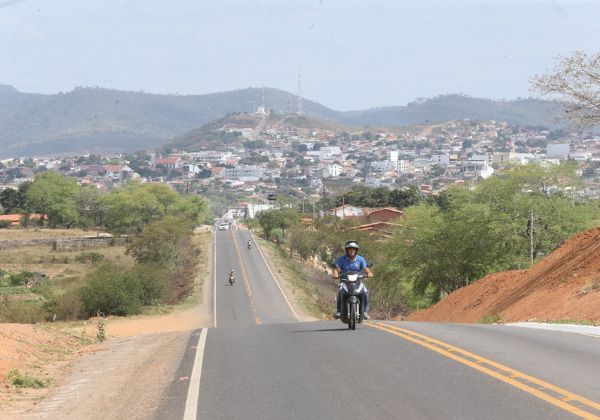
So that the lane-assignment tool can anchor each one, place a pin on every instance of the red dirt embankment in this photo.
(563, 285)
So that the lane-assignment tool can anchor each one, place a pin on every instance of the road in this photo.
(260, 362)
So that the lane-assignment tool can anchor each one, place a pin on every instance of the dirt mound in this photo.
(36, 351)
(564, 285)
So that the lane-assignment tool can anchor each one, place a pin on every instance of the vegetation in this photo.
(446, 243)
(157, 266)
(21, 380)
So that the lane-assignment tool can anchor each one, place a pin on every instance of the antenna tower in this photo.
(300, 102)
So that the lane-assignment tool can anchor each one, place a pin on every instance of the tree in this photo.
(575, 82)
(53, 195)
(90, 206)
(14, 201)
(134, 205)
(276, 222)
(403, 198)
(163, 242)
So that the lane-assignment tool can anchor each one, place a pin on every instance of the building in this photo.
(244, 172)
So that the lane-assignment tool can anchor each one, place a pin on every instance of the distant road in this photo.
(261, 363)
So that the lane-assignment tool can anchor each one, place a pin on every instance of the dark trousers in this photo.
(364, 297)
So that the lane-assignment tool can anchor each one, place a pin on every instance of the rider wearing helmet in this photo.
(351, 261)
(232, 273)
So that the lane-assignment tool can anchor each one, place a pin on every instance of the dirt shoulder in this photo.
(301, 299)
(123, 377)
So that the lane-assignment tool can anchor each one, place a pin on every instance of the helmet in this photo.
(351, 244)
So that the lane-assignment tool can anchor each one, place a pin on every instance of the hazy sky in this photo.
(351, 53)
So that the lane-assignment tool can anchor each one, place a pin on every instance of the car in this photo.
(224, 226)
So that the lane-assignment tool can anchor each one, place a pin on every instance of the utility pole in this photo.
(530, 228)
(343, 206)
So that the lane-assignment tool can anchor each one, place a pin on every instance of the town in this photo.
(268, 153)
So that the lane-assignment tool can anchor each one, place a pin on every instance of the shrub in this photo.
(67, 306)
(22, 380)
(18, 279)
(4, 224)
(111, 292)
(154, 280)
(490, 319)
(22, 312)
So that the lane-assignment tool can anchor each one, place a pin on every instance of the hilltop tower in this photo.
(300, 102)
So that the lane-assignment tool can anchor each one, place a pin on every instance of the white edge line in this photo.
(274, 278)
(214, 268)
(191, 403)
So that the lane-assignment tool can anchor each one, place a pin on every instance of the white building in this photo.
(441, 159)
(559, 150)
(244, 172)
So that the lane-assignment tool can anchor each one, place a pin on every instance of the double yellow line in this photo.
(246, 282)
(559, 397)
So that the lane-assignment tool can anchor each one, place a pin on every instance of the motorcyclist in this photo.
(232, 274)
(351, 261)
(249, 243)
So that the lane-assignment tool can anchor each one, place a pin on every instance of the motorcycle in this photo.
(352, 305)
(231, 280)
(249, 247)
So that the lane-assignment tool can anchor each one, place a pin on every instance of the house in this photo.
(15, 219)
(385, 214)
(347, 211)
(171, 162)
(384, 229)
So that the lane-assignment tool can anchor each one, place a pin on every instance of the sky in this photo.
(351, 54)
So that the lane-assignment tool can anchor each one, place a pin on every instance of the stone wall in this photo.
(67, 244)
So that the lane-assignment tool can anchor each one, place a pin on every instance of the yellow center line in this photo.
(246, 282)
(565, 399)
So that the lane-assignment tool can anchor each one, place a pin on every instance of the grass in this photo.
(572, 322)
(490, 319)
(22, 233)
(22, 380)
(594, 286)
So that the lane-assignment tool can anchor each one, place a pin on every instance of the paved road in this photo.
(260, 363)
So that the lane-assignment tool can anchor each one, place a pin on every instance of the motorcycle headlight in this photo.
(352, 277)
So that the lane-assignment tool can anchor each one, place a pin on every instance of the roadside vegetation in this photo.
(446, 242)
(154, 265)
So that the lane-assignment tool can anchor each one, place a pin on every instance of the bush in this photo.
(67, 306)
(18, 279)
(154, 280)
(4, 224)
(22, 380)
(112, 292)
(22, 312)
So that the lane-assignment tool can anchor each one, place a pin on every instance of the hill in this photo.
(563, 285)
(214, 134)
(105, 120)
(525, 112)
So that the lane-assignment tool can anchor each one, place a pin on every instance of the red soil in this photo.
(560, 286)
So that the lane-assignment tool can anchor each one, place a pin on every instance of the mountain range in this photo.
(98, 120)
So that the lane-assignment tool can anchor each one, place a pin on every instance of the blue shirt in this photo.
(345, 264)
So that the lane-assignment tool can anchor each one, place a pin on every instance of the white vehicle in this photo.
(224, 226)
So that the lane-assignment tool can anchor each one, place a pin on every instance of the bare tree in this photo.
(575, 82)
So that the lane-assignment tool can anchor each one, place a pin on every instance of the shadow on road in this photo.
(322, 330)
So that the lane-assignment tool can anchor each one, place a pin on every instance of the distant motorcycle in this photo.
(249, 246)
(352, 304)
(231, 279)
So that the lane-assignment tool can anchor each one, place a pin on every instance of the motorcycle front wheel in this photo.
(352, 320)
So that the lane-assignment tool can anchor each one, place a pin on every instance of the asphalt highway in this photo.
(261, 363)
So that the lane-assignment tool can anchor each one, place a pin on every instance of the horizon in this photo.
(350, 55)
(274, 88)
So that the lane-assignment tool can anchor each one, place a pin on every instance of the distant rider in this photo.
(232, 274)
(351, 261)
(249, 243)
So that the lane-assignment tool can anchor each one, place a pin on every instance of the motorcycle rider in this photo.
(232, 274)
(351, 261)
(249, 243)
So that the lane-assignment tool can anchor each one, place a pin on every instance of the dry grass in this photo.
(22, 233)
